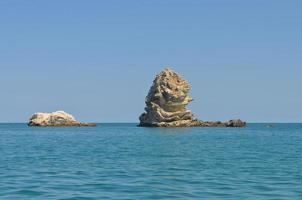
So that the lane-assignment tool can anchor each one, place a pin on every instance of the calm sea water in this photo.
(122, 161)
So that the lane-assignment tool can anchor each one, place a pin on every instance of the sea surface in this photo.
(122, 161)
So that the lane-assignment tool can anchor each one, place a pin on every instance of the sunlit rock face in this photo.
(166, 102)
(166, 105)
(58, 118)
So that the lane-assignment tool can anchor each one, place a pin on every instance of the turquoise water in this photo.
(122, 161)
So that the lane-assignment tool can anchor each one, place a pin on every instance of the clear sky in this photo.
(97, 59)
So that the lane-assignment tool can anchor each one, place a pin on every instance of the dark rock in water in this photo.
(236, 123)
(59, 118)
(166, 105)
(231, 123)
(270, 126)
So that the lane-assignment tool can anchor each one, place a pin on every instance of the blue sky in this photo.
(97, 59)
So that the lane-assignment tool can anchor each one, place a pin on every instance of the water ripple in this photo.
(122, 161)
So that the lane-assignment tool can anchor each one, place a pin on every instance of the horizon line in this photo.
(138, 122)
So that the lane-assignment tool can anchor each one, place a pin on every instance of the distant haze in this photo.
(97, 59)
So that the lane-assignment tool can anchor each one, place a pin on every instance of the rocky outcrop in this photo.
(236, 123)
(58, 118)
(230, 123)
(166, 104)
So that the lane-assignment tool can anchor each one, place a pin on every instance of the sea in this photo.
(123, 161)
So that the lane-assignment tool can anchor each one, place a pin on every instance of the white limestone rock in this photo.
(58, 118)
(166, 105)
(166, 102)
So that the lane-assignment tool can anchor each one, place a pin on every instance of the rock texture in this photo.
(236, 123)
(230, 123)
(166, 104)
(58, 118)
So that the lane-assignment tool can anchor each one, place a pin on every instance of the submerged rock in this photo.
(166, 104)
(58, 118)
(270, 126)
